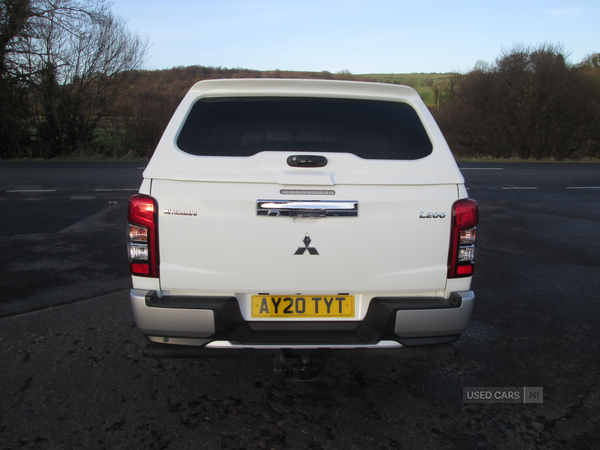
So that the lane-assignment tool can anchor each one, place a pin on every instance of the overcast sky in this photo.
(376, 36)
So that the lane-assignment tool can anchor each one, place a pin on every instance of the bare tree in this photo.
(70, 53)
(13, 105)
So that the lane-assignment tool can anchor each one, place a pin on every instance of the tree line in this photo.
(529, 103)
(72, 84)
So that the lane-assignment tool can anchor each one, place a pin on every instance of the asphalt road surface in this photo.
(62, 233)
(73, 375)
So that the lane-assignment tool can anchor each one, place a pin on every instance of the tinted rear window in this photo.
(244, 127)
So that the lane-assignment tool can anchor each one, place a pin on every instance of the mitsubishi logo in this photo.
(311, 250)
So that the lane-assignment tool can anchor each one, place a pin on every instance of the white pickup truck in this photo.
(300, 216)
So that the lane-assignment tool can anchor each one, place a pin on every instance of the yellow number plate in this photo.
(293, 306)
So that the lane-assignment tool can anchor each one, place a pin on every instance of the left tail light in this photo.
(465, 217)
(142, 237)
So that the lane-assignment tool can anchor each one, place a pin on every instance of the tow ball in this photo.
(306, 370)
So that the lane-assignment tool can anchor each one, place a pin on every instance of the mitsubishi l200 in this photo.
(301, 216)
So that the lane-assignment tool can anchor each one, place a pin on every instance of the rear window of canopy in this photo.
(247, 126)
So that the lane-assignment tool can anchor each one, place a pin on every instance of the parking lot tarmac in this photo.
(73, 374)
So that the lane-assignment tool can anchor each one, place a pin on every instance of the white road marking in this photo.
(32, 190)
(518, 188)
(113, 190)
(584, 187)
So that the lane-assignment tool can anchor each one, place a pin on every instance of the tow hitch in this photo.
(305, 370)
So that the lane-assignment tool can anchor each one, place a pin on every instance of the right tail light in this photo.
(465, 218)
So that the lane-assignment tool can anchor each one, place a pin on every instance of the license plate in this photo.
(293, 306)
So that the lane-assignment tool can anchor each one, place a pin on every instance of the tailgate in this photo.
(212, 239)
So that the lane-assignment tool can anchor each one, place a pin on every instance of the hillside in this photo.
(178, 80)
(421, 82)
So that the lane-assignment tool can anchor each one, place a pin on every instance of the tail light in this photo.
(465, 218)
(142, 238)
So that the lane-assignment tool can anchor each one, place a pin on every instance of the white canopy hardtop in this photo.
(171, 163)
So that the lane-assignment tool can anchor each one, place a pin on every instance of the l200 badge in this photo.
(432, 215)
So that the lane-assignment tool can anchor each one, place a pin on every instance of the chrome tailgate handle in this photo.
(307, 208)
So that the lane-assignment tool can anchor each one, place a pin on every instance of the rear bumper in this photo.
(217, 322)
